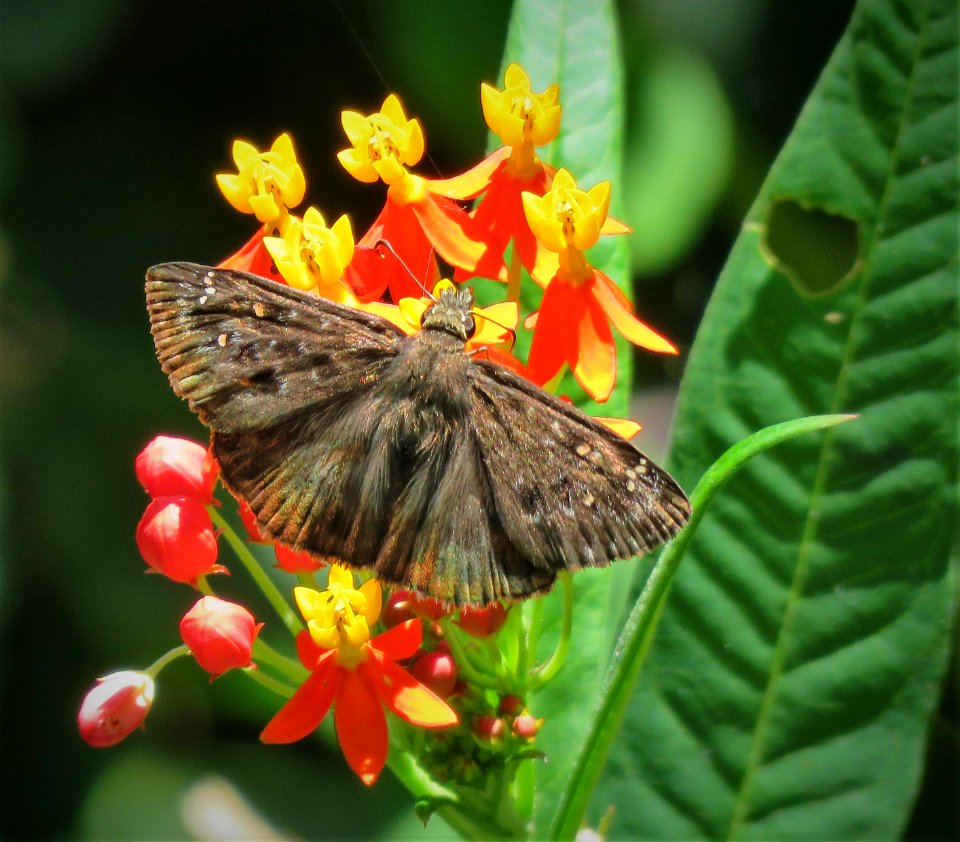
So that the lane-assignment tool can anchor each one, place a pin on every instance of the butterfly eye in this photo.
(470, 324)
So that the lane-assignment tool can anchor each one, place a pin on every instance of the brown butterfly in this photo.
(443, 471)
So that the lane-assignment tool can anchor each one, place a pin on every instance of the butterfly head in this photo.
(453, 313)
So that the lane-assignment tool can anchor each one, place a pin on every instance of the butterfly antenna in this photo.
(386, 246)
(376, 68)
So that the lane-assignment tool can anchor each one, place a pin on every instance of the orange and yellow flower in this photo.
(266, 183)
(355, 674)
(311, 256)
(416, 219)
(579, 303)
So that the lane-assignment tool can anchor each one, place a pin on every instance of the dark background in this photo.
(114, 117)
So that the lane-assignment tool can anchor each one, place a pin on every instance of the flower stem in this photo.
(462, 658)
(177, 652)
(265, 655)
(548, 670)
(258, 574)
(514, 276)
(281, 688)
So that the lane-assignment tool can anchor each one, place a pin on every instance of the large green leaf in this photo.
(788, 692)
(575, 43)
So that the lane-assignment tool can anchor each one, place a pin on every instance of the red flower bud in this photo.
(437, 670)
(115, 707)
(250, 523)
(293, 562)
(488, 728)
(526, 727)
(169, 467)
(404, 605)
(511, 705)
(397, 609)
(176, 538)
(483, 621)
(220, 634)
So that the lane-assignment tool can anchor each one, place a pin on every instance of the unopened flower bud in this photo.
(220, 634)
(483, 621)
(176, 538)
(511, 705)
(489, 728)
(526, 727)
(404, 605)
(437, 670)
(115, 707)
(170, 466)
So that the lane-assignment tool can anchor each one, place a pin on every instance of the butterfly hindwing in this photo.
(445, 537)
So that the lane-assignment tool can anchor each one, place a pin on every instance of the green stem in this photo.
(545, 673)
(514, 276)
(281, 688)
(637, 635)
(265, 655)
(535, 621)
(258, 574)
(177, 652)
(465, 666)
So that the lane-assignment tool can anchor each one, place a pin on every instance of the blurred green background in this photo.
(114, 117)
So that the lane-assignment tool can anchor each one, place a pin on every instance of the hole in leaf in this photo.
(817, 250)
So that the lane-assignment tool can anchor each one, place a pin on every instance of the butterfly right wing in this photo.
(568, 492)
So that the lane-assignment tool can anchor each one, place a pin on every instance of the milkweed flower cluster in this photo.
(455, 681)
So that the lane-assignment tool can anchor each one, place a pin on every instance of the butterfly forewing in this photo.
(444, 472)
(247, 352)
(569, 492)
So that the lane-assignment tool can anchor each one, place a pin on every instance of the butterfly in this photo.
(444, 471)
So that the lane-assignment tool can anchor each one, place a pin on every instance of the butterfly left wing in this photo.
(291, 386)
(247, 352)
(569, 492)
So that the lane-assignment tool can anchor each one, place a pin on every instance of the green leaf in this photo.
(575, 43)
(638, 632)
(679, 155)
(789, 689)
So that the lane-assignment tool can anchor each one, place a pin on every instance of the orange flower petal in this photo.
(306, 708)
(361, 726)
(555, 339)
(474, 181)
(401, 228)
(623, 427)
(308, 651)
(400, 642)
(495, 324)
(596, 363)
(406, 696)
(612, 301)
(253, 257)
(611, 225)
(504, 358)
(449, 229)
